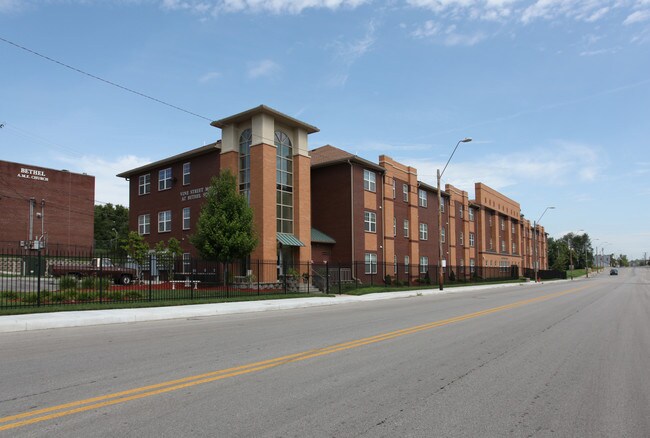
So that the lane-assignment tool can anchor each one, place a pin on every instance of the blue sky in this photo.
(555, 93)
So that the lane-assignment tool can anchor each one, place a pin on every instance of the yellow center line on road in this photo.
(23, 419)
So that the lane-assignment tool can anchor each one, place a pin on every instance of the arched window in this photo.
(284, 183)
(245, 164)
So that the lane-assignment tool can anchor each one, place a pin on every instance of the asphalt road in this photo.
(564, 359)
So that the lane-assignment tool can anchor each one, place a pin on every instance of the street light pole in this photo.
(439, 177)
(535, 250)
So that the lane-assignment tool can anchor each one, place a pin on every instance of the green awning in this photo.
(287, 239)
(320, 237)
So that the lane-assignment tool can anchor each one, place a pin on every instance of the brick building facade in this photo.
(328, 205)
(54, 208)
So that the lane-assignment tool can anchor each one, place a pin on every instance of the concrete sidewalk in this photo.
(41, 321)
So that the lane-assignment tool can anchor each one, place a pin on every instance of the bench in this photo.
(186, 283)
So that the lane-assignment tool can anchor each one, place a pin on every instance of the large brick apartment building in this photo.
(53, 208)
(328, 205)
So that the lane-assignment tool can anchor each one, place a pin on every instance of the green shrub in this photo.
(114, 296)
(71, 295)
(132, 295)
(88, 282)
(57, 298)
(10, 295)
(68, 282)
(29, 298)
(85, 296)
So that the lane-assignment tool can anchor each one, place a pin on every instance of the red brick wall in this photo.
(203, 168)
(68, 213)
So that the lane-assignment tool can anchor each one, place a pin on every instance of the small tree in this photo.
(225, 230)
(137, 248)
(166, 255)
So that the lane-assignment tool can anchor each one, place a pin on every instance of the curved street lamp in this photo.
(439, 176)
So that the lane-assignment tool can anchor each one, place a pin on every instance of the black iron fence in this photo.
(36, 278)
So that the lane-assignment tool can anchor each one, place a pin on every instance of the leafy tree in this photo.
(111, 226)
(166, 255)
(225, 230)
(135, 246)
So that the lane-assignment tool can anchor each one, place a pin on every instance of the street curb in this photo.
(43, 321)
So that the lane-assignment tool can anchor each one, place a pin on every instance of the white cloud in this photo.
(448, 36)
(108, 187)
(556, 164)
(265, 67)
(637, 17)
(258, 6)
(8, 6)
(427, 30)
(599, 52)
(210, 76)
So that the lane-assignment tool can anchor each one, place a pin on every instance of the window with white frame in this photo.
(407, 261)
(472, 265)
(144, 224)
(424, 265)
(394, 226)
(442, 234)
(186, 174)
(503, 224)
(513, 228)
(395, 264)
(442, 205)
(245, 141)
(164, 221)
(471, 214)
(406, 228)
(503, 246)
(424, 231)
(422, 198)
(187, 261)
(514, 248)
(369, 180)
(394, 183)
(491, 247)
(165, 179)
(370, 222)
(283, 183)
(144, 184)
(186, 218)
(471, 239)
(371, 263)
(405, 192)
(461, 238)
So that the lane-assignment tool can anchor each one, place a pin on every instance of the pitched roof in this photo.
(328, 155)
(182, 156)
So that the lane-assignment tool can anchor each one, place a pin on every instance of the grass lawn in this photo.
(381, 288)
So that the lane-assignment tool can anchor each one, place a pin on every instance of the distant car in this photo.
(613, 272)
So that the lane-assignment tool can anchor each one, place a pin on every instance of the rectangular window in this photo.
(405, 192)
(187, 262)
(461, 211)
(164, 221)
(186, 218)
(369, 180)
(472, 265)
(422, 198)
(491, 247)
(503, 225)
(144, 224)
(144, 184)
(424, 265)
(394, 226)
(394, 188)
(424, 231)
(471, 239)
(186, 173)
(513, 228)
(471, 214)
(370, 222)
(407, 261)
(395, 264)
(371, 263)
(503, 246)
(165, 179)
(514, 248)
(406, 228)
(442, 205)
(442, 234)
(461, 239)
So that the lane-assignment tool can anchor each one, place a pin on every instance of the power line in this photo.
(103, 80)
